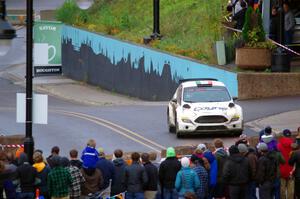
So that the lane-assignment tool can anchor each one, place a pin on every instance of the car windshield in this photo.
(206, 94)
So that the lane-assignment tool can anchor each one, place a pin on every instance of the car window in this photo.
(206, 94)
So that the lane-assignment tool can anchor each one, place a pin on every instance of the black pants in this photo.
(297, 188)
(265, 190)
(238, 192)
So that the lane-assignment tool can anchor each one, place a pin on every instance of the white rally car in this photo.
(203, 106)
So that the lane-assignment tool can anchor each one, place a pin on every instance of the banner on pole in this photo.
(47, 48)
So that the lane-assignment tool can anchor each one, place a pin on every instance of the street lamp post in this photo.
(29, 142)
(156, 30)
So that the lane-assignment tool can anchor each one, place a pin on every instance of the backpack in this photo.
(271, 166)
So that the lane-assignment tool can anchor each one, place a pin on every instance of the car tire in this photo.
(178, 133)
(172, 129)
(237, 133)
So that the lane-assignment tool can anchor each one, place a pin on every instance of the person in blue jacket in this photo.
(187, 180)
(90, 155)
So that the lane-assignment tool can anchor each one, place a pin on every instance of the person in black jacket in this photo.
(240, 16)
(118, 183)
(274, 25)
(295, 161)
(236, 173)
(26, 175)
(167, 174)
(152, 172)
(135, 178)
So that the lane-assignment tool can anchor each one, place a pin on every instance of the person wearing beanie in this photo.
(187, 179)
(167, 174)
(77, 178)
(89, 155)
(59, 179)
(250, 154)
(236, 173)
(197, 164)
(108, 172)
(118, 184)
(286, 181)
(26, 176)
(42, 173)
(221, 157)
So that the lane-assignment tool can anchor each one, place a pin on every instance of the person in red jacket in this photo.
(285, 147)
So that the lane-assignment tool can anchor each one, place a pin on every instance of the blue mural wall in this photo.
(131, 69)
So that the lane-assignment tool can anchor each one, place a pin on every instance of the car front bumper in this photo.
(208, 128)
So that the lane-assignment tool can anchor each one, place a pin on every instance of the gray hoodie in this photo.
(289, 21)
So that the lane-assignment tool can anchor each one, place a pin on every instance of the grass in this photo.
(190, 27)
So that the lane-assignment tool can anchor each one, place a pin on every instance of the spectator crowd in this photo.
(269, 170)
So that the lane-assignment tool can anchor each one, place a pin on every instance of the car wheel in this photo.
(172, 129)
(178, 133)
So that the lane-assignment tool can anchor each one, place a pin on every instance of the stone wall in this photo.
(263, 85)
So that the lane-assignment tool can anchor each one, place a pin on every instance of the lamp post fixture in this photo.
(84, 4)
(7, 32)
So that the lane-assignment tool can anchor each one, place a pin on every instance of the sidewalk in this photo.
(288, 120)
(71, 90)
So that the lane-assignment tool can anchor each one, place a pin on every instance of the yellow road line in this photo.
(111, 128)
(116, 125)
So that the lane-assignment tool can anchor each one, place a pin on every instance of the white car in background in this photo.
(202, 106)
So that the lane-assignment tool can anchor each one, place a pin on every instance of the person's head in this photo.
(243, 149)
(73, 154)
(243, 139)
(39, 150)
(233, 150)
(55, 160)
(64, 162)
(243, 4)
(37, 157)
(287, 133)
(262, 148)
(190, 195)
(152, 157)
(23, 158)
(218, 143)
(185, 162)
(91, 143)
(101, 152)
(171, 152)
(202, 147)
(135, 157)
(274, 11)
(145, 157)
(268, 130)
(55, 150)
(118, 153)
(286, 7)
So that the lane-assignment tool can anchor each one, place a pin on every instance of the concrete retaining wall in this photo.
(262, 85)
(131, 69)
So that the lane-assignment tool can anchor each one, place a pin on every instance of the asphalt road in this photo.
(131, 128)
(37, 4)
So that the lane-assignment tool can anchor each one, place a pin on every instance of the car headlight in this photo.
(186, 120)
(235, 118)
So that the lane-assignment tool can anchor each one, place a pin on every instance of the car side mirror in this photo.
(235, 98)
(174, 100)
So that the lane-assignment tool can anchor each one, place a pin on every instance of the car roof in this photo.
(193, 83)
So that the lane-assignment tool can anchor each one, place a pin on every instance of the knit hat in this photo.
(243, 148)
(171, 152)
(233, 150)
(202, 147)
(101, 151)
(185, 162)
(262, 147)
(287, 133)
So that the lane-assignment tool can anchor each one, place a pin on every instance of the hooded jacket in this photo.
(168, 171)
(118, 184)
(236, 170)
(213, 172)
(284, 146)
(187, 180)
(135, 178)
(43, 171)
(89, 157)
(270, 141)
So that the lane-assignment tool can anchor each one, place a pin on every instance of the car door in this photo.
(174, 103)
